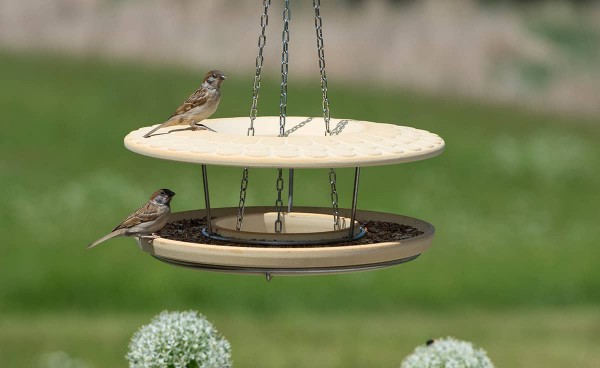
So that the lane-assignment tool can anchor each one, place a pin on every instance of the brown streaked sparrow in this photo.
(147, 220)
(199, 106)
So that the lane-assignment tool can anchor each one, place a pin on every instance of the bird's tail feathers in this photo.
(119, 232)
(172, 121)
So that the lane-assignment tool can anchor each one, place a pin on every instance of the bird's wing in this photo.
(197, 98)
(146, 213)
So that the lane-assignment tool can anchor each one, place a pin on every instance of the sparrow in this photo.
(147, 220)
(199, 106)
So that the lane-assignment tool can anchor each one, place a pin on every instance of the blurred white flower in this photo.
(447, 353)
(179, 340)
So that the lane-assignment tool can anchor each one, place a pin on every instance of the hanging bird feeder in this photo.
(286, 239)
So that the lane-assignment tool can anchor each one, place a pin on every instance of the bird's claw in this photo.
(150, 237)
(198, 126)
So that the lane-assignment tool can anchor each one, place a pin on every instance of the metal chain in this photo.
(321, 55)
(297, 126)
(262, 40)
(339, 127)
(242, 203)
(334, 199)
(279, 202)
(284, 67)
(333, 180)
(325, 106)
(285, 38)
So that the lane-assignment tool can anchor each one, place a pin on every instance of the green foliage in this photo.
(549, 338)
(535, 75)
(513, 198)
(577, 40)
(534, 2)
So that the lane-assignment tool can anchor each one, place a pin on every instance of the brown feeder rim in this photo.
(271, 260)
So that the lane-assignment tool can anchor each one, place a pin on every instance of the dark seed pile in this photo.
(377, 232)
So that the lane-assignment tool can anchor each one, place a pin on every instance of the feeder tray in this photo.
(297, 228)
(278, 260)
(358, 143)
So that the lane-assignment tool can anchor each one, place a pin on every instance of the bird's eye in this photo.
(214, 75)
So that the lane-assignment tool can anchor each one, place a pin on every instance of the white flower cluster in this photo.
(179, 340)
(448, 353)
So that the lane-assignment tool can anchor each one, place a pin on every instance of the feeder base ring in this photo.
(285, 271)
(297, 260)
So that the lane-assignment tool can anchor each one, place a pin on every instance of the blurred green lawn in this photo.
(514, 266)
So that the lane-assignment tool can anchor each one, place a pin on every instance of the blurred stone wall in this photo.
(547, 56)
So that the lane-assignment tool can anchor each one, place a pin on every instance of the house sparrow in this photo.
(199, 106)
(148, 219)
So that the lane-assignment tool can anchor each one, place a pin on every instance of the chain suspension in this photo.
(321, 55)
(297, 126)
(279, 202)
(333, 180)
(283, 106)
(242, 203)
(325, 106)
(285, 38)
(339, 127)
(334, 199)
(262, 41)
(284, 67)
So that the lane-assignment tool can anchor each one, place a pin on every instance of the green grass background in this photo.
(514, 198)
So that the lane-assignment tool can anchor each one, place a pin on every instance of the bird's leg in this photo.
(197, 126)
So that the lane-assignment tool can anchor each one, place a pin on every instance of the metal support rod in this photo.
(206, 200)
(354, 200)
(291, 191)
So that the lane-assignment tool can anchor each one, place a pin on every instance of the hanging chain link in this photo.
(321, 55)
(333, 180)
(297, 126)
(262, 41)
(339, 127)
(285, 37)
(334, 199)
(242, 203)
(325, 105)
(279, 202)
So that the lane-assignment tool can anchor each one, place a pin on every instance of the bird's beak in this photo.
(223, 77)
